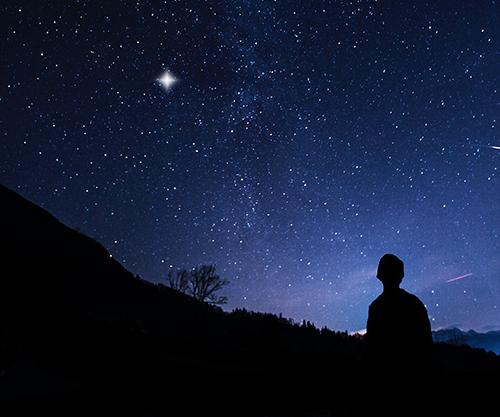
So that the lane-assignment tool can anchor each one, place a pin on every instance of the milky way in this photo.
(302, 141)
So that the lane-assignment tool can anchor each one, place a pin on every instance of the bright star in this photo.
(167, 80)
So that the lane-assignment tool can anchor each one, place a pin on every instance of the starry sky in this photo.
(291, 143)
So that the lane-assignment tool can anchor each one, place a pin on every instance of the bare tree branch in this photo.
(201, 283)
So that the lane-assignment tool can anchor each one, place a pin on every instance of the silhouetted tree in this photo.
(178, 280)
(202, 283)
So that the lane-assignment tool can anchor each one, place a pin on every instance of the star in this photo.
(167, 80)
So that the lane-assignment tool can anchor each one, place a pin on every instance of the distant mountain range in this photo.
(488, 340)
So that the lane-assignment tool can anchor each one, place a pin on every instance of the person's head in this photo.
(390, 270)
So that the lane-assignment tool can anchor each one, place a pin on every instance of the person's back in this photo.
(398, 330)
(398, 326)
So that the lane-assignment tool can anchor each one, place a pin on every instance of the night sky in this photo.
(290, 143)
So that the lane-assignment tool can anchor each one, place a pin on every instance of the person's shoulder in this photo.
(412, 298)
(378, 301)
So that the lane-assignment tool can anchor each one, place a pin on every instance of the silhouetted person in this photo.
(398, 331)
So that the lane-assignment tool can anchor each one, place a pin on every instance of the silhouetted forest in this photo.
(81, 333)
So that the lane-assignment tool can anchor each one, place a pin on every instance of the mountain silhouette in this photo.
(78, 328)
(489, 340)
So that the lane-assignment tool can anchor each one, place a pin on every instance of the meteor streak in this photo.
(460, 277)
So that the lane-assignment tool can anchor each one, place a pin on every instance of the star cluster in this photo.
(290, 143)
